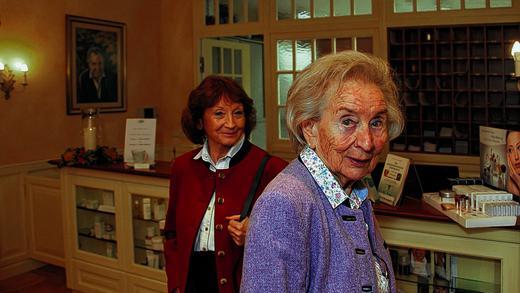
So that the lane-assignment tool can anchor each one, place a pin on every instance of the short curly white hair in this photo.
(322, 79)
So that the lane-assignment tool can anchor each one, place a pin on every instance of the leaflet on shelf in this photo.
(393, 178)
(140, 143)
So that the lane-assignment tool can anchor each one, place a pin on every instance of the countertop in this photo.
(408, 208)
(161, 169)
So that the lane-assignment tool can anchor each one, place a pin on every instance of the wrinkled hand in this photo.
(237, 229)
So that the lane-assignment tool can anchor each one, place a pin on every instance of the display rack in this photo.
(95, 227)
(426, 270)
(469, 219)
(146, 230)
(114, 221)
(452, 80)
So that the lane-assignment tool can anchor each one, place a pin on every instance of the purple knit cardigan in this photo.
(297, 242)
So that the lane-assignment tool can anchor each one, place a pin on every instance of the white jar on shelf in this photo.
(157, 243)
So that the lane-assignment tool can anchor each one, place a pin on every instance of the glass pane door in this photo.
(95, 217)
(423, 270)
(148, 214)
(230, 58)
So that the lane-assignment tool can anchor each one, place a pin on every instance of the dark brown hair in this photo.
(206, 95)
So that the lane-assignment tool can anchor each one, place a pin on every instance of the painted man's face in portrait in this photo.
(96, 65)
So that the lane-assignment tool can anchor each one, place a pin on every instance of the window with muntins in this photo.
(293, 55)
(230, 11)
(306, 9)
(404, 6)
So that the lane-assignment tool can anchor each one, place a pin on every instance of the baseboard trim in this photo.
(19, 268)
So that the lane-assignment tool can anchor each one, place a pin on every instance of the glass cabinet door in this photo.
(422, 270)
(148, 214)
(95, 221)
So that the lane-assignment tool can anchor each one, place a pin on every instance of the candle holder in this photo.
(90, 128)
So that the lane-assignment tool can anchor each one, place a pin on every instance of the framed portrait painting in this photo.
(96, 65)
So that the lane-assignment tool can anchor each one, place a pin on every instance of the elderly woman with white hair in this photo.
(313, 229)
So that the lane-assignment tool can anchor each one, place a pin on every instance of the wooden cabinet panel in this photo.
(480, 250)
(13, 232)
(15, 239)
(94, 278)
(45, 219)
(142, 285)
(106, 229)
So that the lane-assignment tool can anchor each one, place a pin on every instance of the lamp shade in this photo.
(515, 49)
(23, 67)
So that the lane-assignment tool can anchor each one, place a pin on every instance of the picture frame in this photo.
(96, 64)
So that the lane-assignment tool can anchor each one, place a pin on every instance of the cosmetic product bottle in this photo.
(99, 227)
(147, 209)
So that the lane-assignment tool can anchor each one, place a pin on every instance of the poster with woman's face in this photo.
(500, 158)
(513, 161)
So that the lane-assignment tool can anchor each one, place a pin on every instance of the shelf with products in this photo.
(95, 221)
(481, 260)
(115, 219)
(97, 210)
(453, 74)
(424, 270)
(148, 215)
(149, 255)
(99, 246)
(90, 234)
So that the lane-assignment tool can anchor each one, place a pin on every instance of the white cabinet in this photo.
(25, 187)
(45, 219)
(88, 277)
(143, 285)
(94, 214)
(113, 238)
(476, 260)
(147, 206)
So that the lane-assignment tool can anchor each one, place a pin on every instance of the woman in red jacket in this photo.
(209, 187)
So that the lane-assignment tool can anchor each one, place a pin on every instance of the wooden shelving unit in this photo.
(454, 79)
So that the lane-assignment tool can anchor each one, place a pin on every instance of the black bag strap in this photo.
(249, 200)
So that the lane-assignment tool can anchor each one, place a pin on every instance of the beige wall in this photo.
(34, 124)
(179, 78)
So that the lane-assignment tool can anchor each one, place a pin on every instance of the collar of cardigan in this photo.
(235, 154)
(329, 185)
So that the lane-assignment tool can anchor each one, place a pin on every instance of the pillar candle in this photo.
(89, 138)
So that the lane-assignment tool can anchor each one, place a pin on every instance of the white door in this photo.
(233, 59)
(227, 58)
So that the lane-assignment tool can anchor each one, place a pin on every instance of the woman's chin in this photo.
(355, 174)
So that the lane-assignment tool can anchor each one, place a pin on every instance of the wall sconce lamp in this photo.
(7, 76)
(515, 51)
